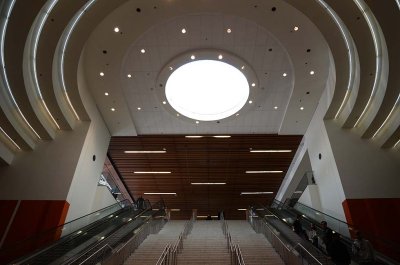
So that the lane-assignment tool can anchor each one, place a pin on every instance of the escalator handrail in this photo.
(59, 227)
(69, 237)
(73, 259)
(388, 242)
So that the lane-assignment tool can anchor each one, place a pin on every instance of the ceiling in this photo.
(205, 159)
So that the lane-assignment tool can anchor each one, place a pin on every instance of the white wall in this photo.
(326, 174)
(366, 170)
(87, 174)
(102, 198)
(46, 172)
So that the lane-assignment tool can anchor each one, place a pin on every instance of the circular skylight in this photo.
(207, 90)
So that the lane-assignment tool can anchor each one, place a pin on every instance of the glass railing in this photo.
(60, 233)
(313, 216)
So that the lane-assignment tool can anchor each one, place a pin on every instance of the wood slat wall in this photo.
(206, 159)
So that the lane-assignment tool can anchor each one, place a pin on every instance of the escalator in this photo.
(287, 214)
(110, 226)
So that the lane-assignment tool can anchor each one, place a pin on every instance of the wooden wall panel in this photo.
(206, 159)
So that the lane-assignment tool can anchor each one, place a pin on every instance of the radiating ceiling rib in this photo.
(8, 101)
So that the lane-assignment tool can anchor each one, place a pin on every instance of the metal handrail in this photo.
(163, 259)
(311, 255)
(287, 252)
(88, 258)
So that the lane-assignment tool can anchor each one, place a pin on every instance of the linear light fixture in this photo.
(160, 193)
(175, 210)
(298, 191)
(152, 172)
(270, 151)
(205, 216)
(208, 183)
(262, 171)
(222, 136)
(146, 152)
(241, 209)
(255, 192)
(10, 139)
(193, 136)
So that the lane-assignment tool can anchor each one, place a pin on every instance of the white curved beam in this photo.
(7, 101)
(29, 69)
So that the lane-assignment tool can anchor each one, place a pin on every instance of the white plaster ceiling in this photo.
(158, 31)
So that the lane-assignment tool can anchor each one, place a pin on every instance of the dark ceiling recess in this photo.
(206, 159)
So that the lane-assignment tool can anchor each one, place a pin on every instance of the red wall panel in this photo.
(378, 219)
(6, 210)
(33, 218)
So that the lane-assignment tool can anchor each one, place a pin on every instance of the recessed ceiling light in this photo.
(253, 84)
(116, 29)
(142, 50)
(139, 108)
(177, 115)
(160, 193)
(284, 74)
(250, 101)
(129, 75)
(270, 151)
(222, 136)
(106, 93)
(193, 136)
(183, 30)
(301, 108)
(152, 172)
(208, 183)
(312, 72)
(164, 102)
(112, 109)
(237, 114)
(242, 67)
(296, 28)
(262, 171)
(228, 30)
(220, 57)
(171, 68)
(146, 152)
(101, 73)
(255, 192)
(197, 122)
(276, 107)
(192, 57)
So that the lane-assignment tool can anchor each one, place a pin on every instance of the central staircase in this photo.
(205, 245)
(255, 248)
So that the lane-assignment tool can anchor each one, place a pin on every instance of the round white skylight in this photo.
(207, 90)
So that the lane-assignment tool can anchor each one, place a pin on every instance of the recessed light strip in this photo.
(255, 192)
(146, 152)
(64, 41)
(396, 104)
(262, 171)
(222, 136)
(242, 209)
(270, 151)
(208, 183)
(193, 136)
(3, 68)
(152, 172)
(32, 52)
(10, 139)
(375, 30)
(160, 193)
(351, 52)
(205, 216)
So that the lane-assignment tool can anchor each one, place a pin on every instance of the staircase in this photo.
(151, 248)
(206, 244)
(254, 247)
